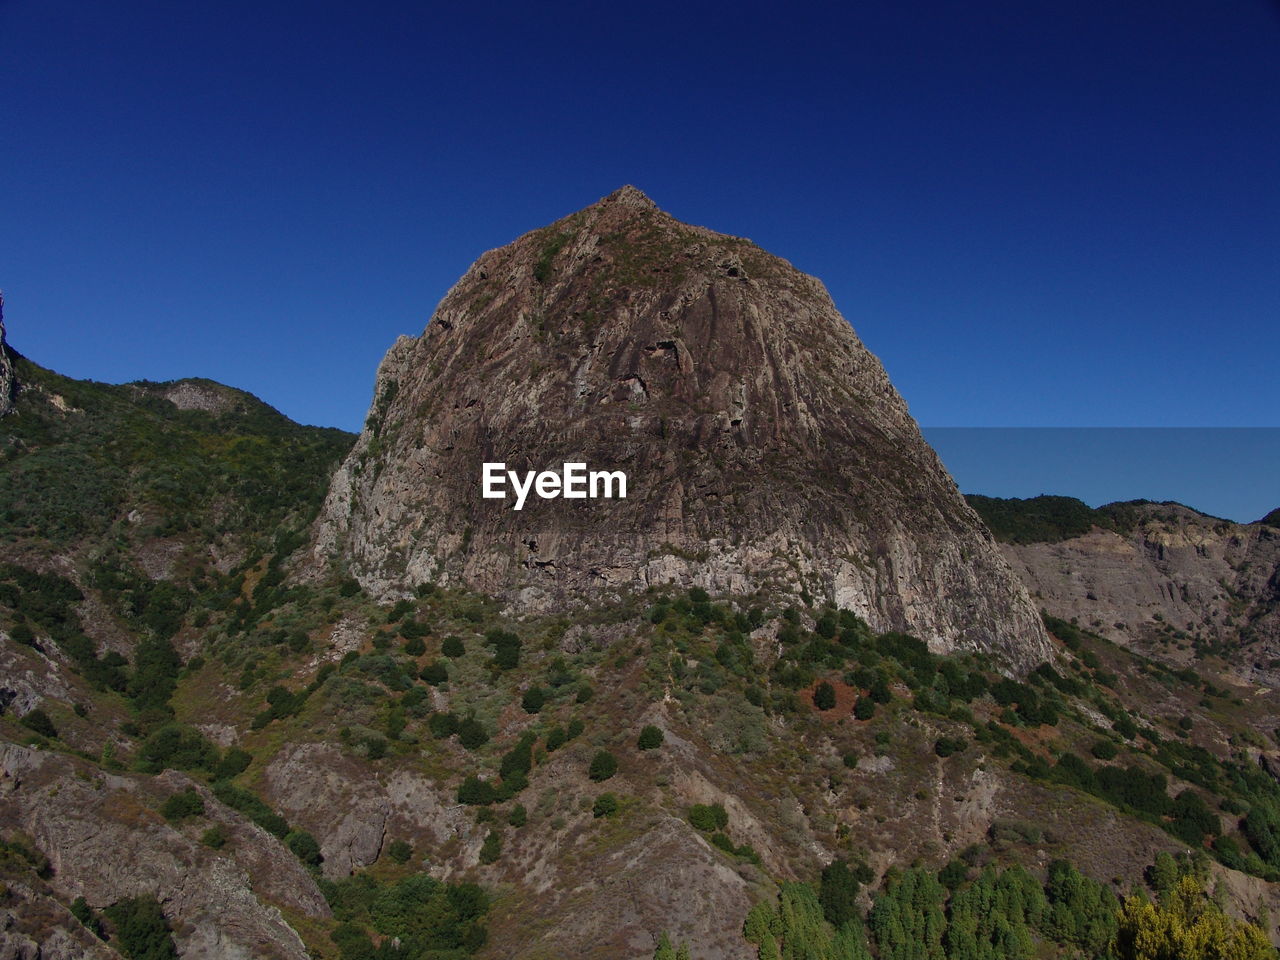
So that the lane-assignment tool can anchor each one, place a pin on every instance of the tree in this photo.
(141, 928)
(838, 893)
(864, 708)
(1187, 926)
(603, 766)
(907, 918)
(533, 699)
(651, 738)
(824, 696)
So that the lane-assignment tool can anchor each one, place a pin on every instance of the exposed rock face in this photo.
(105, 841)
(1176, 571)
(763, 444)
(8, 379)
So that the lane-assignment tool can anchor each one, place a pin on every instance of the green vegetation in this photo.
(245, 469)
(650, 738)
(1047, 519)
(432, 920)
(708, 817)
(1186, 925)
(603, 766)
(141, 929)
(180, 806)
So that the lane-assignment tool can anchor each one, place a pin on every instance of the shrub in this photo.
(142, 929)
(476, 792)
(215, 837)
(824, 696)
(603, 766)
(179, 806)
(400, 851)
(1104, 750)
(232, 764)
(606, 805)
(303, 846)
(453, 647)
(176, 747)
(252, 807)
(946, 746)
(864, 708)
(491, 849)
(506, 649)
(556, 739)
(533, 699)
(434, 673)
(38, 722)
(650, 738)
(414, 647)
(585, 693)
(708, 817)
(443, 725)
(375, 748)
(471, 734)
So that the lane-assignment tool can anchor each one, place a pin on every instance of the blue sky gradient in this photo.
(1035, 214)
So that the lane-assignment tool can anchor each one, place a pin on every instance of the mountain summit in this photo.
(764, 447)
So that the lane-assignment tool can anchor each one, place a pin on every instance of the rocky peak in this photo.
(764, 447)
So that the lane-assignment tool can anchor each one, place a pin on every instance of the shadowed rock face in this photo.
(8, 380)
(764, 446)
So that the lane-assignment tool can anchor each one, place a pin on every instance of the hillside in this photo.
(1160, 577)
(213, 746)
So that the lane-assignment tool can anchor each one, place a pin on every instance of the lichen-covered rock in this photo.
(763, 444)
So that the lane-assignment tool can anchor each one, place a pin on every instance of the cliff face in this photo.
(764, 446)
(8, 379)
(1175, 578)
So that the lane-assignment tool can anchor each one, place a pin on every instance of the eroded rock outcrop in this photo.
(763, 444)
(1174, 576)
(105, 841)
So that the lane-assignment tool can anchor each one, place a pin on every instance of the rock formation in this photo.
(8, 379)
(764, 447)
(1174, 577)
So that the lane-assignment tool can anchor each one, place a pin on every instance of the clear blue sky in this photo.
(1037, 214)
